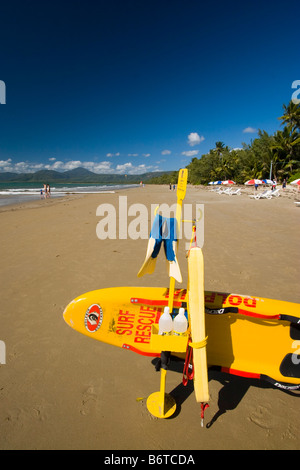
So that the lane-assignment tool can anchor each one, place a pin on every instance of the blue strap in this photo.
(168, 236)
(156, 232)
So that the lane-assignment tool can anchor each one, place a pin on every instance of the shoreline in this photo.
(22, 195)
(289, 192)
(61, 390)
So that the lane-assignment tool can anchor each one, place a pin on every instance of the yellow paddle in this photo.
(162, 404)
(181, 191)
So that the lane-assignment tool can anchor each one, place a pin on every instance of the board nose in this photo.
(67, 314)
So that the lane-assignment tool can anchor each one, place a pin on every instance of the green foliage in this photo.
(294, 176)
(166, 178)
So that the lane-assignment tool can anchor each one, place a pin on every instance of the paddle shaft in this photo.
(181, 191)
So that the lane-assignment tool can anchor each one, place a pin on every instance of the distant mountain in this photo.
(42, 176)
(78, 175)
(7, 176)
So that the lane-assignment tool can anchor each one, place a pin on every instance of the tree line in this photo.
(274, 156)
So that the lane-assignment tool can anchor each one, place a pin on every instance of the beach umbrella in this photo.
(267, 181)
(296, 181)
(215, 182)
(228, 182)
(252, 182)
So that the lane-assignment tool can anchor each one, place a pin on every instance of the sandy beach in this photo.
(62, 390)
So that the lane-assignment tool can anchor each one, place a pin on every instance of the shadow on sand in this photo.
(230, 395)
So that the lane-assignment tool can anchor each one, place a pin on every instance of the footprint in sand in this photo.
(290, 433)
(19, 416)
(89, 401)
(261, 417)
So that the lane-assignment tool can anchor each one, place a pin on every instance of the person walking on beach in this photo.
(48, 190)
(284, 184)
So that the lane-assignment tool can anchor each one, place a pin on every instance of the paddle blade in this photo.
(173, 266)
(148, 266)
(182, 182)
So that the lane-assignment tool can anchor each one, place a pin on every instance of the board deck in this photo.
(249, 336)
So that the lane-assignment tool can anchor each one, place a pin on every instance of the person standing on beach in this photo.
(48, 190)
(284, 184)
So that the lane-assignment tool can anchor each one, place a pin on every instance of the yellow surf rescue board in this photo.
(247, 336)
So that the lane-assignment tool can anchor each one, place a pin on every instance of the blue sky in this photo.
(130, 86)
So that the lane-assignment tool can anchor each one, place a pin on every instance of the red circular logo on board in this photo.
(93, 318)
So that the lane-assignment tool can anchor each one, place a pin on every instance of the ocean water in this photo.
(14, 193)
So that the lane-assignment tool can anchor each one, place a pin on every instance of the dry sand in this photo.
(61, 390)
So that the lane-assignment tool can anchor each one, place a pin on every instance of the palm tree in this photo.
(291, 115)
(220, 147)
(287, 142)
(220, 150)
(286, 149)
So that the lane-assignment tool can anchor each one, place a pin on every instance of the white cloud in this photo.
(5, 162)
(52, 159)
(166, 152)
(125, 166)
(113, 154)
(57, 166)
(71, 165)
(195, 139)
(190, 153)
(5, 165)
(27, 167)
(249, 130)
(20, 167)
(134, 170)
(95, 167)
(101, 167)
